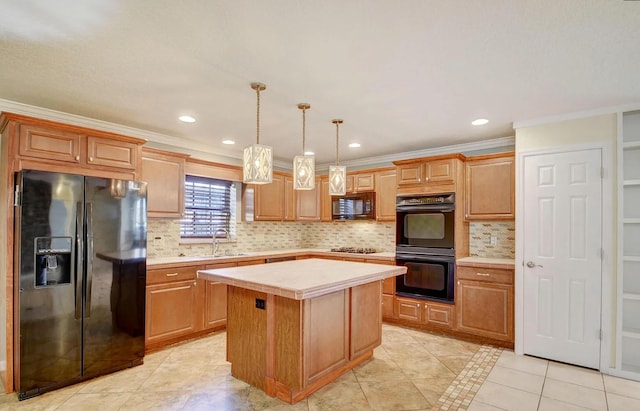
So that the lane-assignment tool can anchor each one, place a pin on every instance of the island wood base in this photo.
(292, 348)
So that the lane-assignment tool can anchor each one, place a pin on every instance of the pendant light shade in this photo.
(257, 162)
(304, 166)
(337, 173)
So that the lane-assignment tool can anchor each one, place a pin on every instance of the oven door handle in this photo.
(424, 258)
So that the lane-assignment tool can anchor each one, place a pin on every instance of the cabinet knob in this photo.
(195, 283)
(90, 158)
(77, 158)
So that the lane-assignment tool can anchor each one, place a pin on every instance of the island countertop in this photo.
(302, 279)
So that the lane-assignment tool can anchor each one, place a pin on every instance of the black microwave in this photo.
(356, 206)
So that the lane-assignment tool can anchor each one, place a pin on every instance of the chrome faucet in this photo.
(215, 243)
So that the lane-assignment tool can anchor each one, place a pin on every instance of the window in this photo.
(209, 206)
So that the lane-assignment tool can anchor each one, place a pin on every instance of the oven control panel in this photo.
(447, 198)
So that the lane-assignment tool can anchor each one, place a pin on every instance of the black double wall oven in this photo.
(425, 245)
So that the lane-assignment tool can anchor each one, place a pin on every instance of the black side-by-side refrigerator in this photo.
(79, 289)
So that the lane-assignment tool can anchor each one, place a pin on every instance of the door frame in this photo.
(608, 242)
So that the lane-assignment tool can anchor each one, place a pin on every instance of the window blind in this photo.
(208, 206)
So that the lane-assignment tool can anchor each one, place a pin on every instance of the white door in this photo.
(562, 256)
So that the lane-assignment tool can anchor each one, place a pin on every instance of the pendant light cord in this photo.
(304, 122)
(258, 116)
(337, 122)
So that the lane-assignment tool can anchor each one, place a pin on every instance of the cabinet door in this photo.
(308, 204)
(50, 144)
(485, 309)
(269, 200)
(169, 310)
(388, 285)
(408, 174)
(289, 200)
(440, 171)
(387, 306)
(408, 309)
(438, 315)
(386, 196)
(363, 182)
(215, 304)
(112, 153)
(366, 324)
(490, 189)
(325, 200)
(164, 174)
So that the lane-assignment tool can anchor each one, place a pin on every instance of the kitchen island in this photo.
(295, 326)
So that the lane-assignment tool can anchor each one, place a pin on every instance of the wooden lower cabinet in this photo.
(425, 312)
(215, 304)
(485, 302)
(485, 309)
(170, 311)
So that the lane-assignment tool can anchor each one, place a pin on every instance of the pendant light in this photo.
(304, 166)
(337, 173)
(257, 161)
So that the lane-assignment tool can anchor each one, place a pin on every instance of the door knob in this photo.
(531, 264)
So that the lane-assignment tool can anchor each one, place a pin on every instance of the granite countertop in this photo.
(485, 262)
(302, 279)
(209, 259)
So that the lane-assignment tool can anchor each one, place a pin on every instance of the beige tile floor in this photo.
(412, 370)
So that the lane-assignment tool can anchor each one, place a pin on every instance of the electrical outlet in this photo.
(158, 242)
(261, 304)
(494, 240)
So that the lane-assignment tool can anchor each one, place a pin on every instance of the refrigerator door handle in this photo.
(79, 260)
(89, 258)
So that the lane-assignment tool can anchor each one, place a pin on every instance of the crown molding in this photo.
(196, 147)
(575, 115)
(455, 148)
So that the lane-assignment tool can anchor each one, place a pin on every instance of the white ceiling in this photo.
(404, 75)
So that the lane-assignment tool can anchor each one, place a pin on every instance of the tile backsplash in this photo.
(492, 239)
(163, 237)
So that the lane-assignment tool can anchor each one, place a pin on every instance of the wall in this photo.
(595, 129)
(164, 237)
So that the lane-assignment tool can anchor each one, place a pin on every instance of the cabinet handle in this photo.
(172, 275)
(484, 274)
(77, 158)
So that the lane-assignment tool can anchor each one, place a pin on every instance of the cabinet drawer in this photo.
(171, 274)
(485, 274)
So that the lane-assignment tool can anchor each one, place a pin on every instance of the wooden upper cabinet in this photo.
(164, 173)
(325, 199)
(358, 182)
(112, 153)
(430, 174)
(440, 171)
(308, 203)
(409, 174)
(290, 201)
(386, 195)
(44, 144)
(490, 187)
(269, 200)
(49, 143)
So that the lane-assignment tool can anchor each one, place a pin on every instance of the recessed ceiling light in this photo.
(187, 119)
(228, 142)
(354, 145)
(480, 122)
(309, 153)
